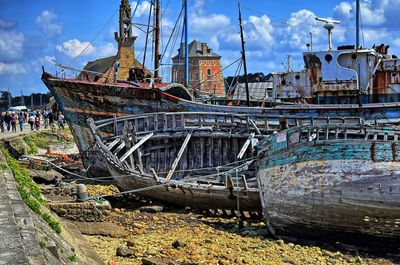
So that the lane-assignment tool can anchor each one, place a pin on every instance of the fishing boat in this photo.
(201, 160)
(332, 181)
(347, 82)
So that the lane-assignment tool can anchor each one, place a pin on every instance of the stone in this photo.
(130, 244)
(151, 209)
(151, 251)
(178, 243)
(152, 261)
(124, 251)
(102, 229)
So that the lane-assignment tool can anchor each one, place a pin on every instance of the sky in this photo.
(36, 33)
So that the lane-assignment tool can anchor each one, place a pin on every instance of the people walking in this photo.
(37, 123)
(2, 121)
(7, 120)
(14, 118)
(31, 121)
(21, 121)
(61, 120)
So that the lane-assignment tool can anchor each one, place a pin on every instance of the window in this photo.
(209, 73)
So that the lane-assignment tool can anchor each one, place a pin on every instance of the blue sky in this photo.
(41, 32)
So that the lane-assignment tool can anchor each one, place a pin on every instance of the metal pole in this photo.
(357, 47)
(186, 46)
(156, 39)
(357, 24)
(246, 81)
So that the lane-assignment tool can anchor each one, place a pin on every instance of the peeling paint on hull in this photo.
(332, 188)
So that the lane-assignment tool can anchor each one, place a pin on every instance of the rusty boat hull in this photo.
(332, 182)
(80, 100)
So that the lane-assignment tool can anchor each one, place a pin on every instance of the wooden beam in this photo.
(113, 143)
(178, 157)
(136, 146)
(253, 124)
(154, 173)
(245, 146)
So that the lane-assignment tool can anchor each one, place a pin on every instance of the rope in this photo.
(92, 41)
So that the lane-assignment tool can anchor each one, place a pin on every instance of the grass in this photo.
(32, 147)
(72, 258)
(30, 192)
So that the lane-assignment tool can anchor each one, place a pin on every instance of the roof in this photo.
(258, 91)
(100, 65)
(196, 50)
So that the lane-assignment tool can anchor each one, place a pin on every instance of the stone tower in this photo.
(125, 40)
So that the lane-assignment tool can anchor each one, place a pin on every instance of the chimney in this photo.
(204, 48)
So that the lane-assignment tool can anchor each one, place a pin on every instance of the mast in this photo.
(186, 45)
(357, 24)
(246, 81)
(156, 38)
(357, 47)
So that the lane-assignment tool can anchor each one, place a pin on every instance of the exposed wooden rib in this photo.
(254, 126)
(245, 146)
(178, 157)
(136, 146)
(154, 173)
(113, 143)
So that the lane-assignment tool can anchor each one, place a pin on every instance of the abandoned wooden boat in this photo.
(201, 160)
(366, 77)
(332, 181)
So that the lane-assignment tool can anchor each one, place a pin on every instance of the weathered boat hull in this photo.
(325, 188)
(191, 195)
(199, 160)
(80, 100)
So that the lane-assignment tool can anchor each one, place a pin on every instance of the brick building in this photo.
(204, 69)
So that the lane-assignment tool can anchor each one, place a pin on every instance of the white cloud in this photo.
(49, 59)
(213, 23)
(107, 49)
(142, 10)
(46, 22)
(11, 45)
(261, 30)
(372, 16)
(343, 11)
(298, 28)
(75, 47)
(6, 25)
(13, 68)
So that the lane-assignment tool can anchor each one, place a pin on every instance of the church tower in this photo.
(125, 40)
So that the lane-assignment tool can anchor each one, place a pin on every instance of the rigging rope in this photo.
(92, 41)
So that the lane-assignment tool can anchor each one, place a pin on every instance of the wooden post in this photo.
(245, 146)
(178, 157)
(136, 146)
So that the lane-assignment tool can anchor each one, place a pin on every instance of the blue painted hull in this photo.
(330, 187)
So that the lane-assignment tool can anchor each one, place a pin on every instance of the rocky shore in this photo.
(158, 235)
(130, 230)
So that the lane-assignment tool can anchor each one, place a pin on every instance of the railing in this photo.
(291, 137)
(225, 122)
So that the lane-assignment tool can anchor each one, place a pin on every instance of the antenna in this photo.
(329, 25)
